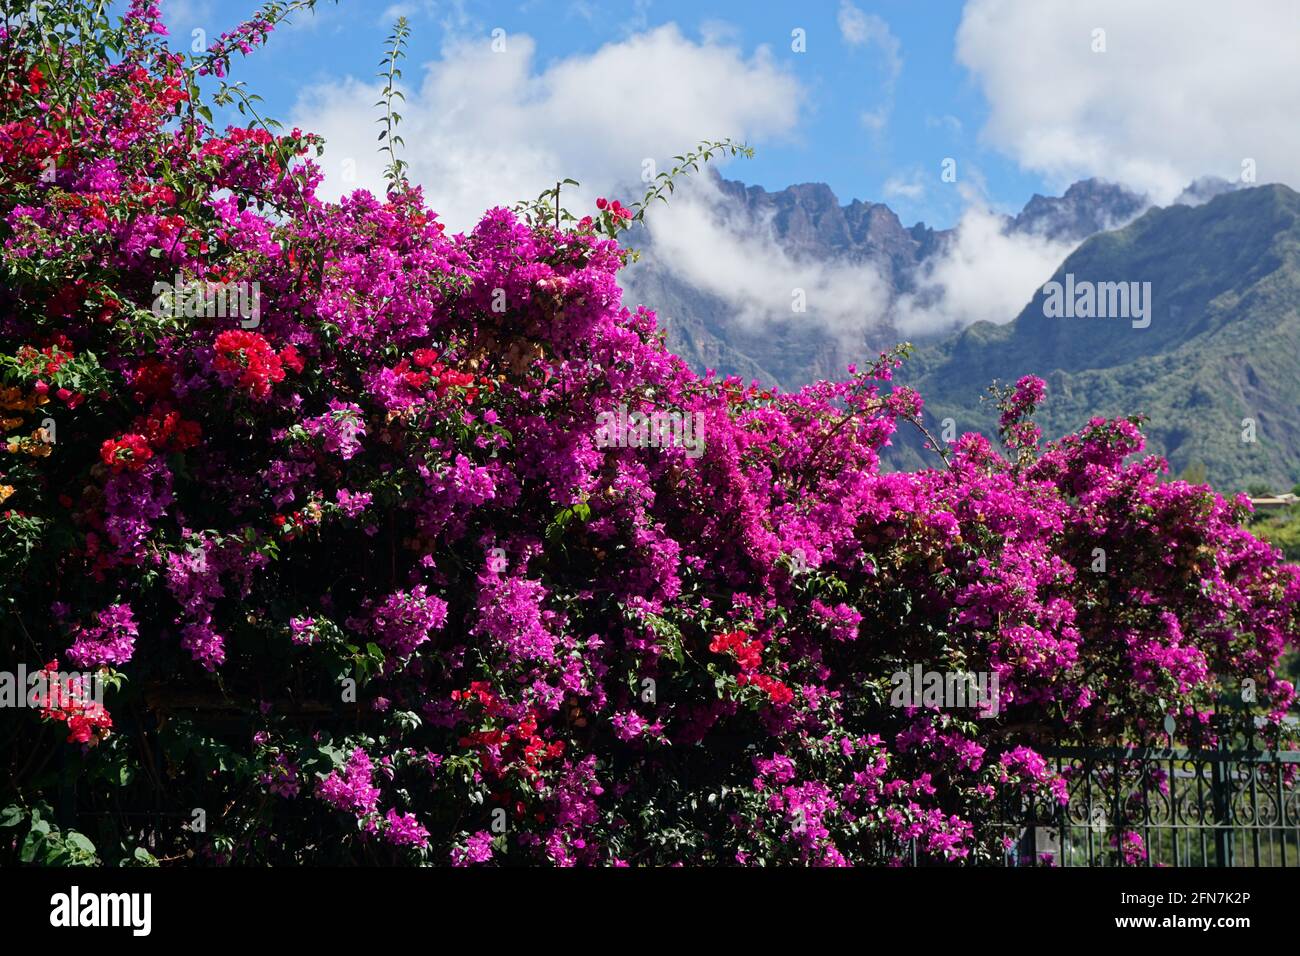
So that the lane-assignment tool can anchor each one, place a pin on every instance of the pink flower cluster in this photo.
(380, 529)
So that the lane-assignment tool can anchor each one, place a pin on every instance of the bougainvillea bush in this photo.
(363, 585)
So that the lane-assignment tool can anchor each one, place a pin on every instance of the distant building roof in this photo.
(1275, 501)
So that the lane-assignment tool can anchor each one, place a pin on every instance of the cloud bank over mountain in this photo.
(729, 251)
(986, 272)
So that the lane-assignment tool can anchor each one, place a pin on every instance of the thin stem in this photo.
(939, 449)
(396, 171)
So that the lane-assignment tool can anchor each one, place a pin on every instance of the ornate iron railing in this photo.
(1152, 807)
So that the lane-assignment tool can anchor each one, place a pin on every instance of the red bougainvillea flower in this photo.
(65, 698)
(127, 452)
(46, 362)
(152, 379)
(291, 360)
(164, 428)
(616, 210)
(748, 654)
(776, 691)
(249, 360)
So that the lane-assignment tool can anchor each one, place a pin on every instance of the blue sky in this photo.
(879, 116)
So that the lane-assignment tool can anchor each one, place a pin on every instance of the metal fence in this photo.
(1160, 807)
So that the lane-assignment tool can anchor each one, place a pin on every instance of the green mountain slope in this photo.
(1222, 346)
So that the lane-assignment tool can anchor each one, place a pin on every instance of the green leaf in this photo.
(81, 842)
(144, 857)
(31, 845)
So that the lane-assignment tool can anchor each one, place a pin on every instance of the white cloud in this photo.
(910, 187)
(876, 119)
(947, 121)
(487, 128)
(860, 29)
(406, 9)
(984, 274)
(716, 30)
(640, 18)
(867, 29)
(1184, 88)
(713, 244)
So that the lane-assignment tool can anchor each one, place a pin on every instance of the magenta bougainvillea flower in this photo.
(377, 536)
